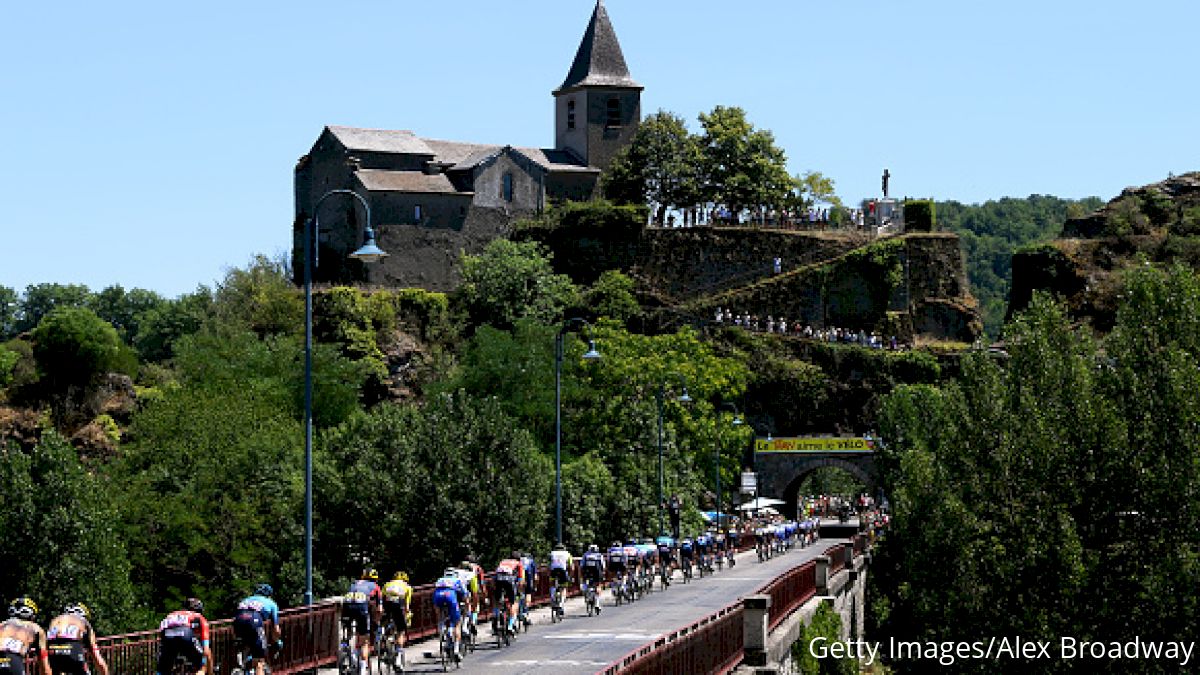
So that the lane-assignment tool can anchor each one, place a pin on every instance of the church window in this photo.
(613, 119)
(508, 187)
(571, 114)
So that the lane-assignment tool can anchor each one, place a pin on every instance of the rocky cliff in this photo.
(1156, 223)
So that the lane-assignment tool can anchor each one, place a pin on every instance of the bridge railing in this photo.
(310, 637)
(715, 643)
(791, 590)
(711, 645)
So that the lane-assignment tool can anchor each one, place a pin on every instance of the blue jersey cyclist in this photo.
(449, 595)
(254, 617)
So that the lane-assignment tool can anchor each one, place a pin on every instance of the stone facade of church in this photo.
(431, 200)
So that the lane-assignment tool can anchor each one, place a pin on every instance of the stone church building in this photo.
(432, 199)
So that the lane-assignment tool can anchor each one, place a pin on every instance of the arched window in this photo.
(613, 118)
(571, 114)
(507, 187)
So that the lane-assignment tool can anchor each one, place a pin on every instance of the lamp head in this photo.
(591, 354)
(684, 398)
(369, 252)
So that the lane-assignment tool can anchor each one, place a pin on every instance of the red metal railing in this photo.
(715, 643)
(711, 645)
(310, 638)
(791, 590)
(837, 559)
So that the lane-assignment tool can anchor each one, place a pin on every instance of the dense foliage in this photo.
(1052, 495)
(991, 231)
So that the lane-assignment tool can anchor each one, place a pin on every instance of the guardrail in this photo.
(714, 644)
(310, 637)
(711, 645)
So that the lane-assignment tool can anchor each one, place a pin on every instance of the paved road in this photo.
(583, 644)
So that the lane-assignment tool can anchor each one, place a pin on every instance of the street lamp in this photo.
(682, 398)
(737, 421)
(590, 355)
(368, 253)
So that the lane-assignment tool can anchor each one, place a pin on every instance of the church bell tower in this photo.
(598, 106)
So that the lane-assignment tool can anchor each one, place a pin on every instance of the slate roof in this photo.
(381, 180)
(461, 155)
(599, 61)
(556, 160)
(380, 140)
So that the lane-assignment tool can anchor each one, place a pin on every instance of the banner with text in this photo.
(817, 444)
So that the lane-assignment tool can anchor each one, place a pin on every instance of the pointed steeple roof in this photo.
(599, 61)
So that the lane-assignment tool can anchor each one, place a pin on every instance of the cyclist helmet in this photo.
(194, 605)
(264, 590)
(401, 576)
(450, 572)
(466, 565)
(559, 546)
(592, 548)
(78, 609)
(616, 544)
(370, 574)
(23, 608)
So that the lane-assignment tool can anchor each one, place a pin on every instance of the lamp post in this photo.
(683, 398)
(368, 253)
(590, 355)
(737, 421)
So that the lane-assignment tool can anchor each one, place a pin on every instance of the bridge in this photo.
(696, 627)
(782, 464)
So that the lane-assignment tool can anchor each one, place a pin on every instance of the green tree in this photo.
(456, 475)
(124, 309)
(742, 166)
(212, 480)
(813, 187)
(160, 328)
(60, 542)
(41, 299)
(260, 297)
(823, 630)
(73, 347)
(513, 280)
(660, 166)
(10, 306)
(612, 296)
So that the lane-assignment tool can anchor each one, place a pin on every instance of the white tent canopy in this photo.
(760, 503)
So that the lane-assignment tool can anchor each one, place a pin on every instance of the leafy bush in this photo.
(920, 215)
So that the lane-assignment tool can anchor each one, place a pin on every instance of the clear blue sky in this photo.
(151, 144)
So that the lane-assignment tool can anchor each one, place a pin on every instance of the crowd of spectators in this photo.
(781, 326)
(812, 218)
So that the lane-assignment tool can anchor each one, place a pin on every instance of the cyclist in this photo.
(561, 563)
(702, 545)
(361, 607)
(618, 563)
(648, 552)
(666, 558)
(184, 633)
(70, 639)
(466, 572)
(718, 544)
(481, 579)
(449, 595)
(633, 558)
(19, 635)
(528, 582)
(505, 585)
(397, 606)
(592, 570)
(686, 551)
(731, 541)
